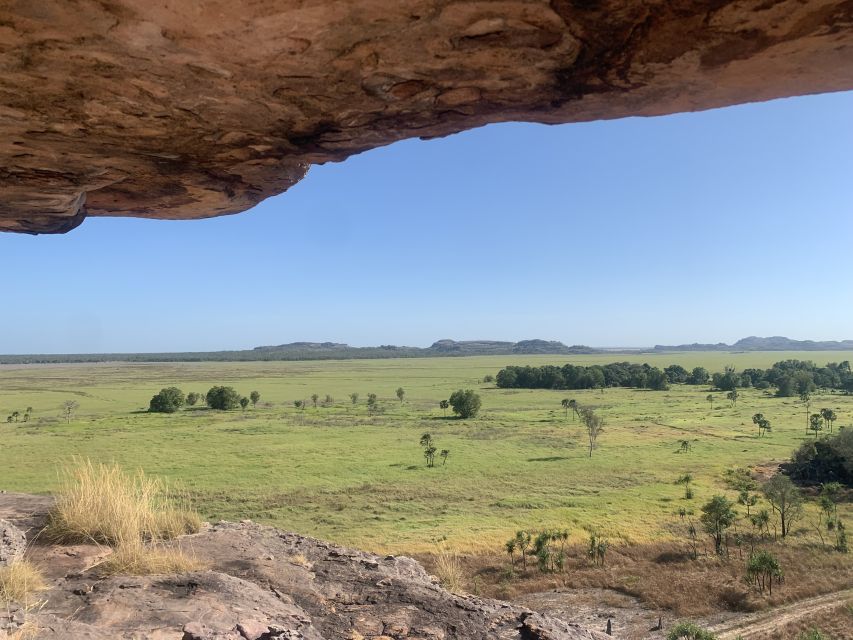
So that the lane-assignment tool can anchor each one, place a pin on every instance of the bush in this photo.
(223, 398)
(466, 404)
(168, 400)
(689, 631)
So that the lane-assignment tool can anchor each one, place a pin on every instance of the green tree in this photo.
(686, 479)
(299, 404)
(748, 500)
(573, 405)
(371, 402)
(169, 400)
(193, 398)
(761, 568)
(255, 396)
(829, 417)
(717, 516)
(699, 375)
(444, 404)
(68, 409)
(710, 399)
(732, 397)
(428, 445)
(222, 398)
(444, 453)
(594, 426)
(565, 404)
(785, 499)
(314, 398)
(522, 542)
(806, 399)
(466, 404)
(244, 402)
(354, 397)
(815, 423)
(762, 422)
(401, 393)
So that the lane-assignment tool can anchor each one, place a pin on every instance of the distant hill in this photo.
(319, 351)
(773, 343)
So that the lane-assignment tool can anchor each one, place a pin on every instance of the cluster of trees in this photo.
(17, 415)
(548, 549)
(788, 377)
(172, 399)
(428, 444)
(824, 460)
(617, 374)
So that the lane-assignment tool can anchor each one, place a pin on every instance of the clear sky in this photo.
(695, 227)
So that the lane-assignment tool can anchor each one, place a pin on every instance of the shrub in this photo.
(466, 404)
(168, 400)
(223, 398)
(689, 631)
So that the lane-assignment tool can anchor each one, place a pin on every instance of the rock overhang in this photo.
(204, 108)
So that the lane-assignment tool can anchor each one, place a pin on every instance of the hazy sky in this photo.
(696, 227)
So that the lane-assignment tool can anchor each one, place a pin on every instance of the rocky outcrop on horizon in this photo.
(773, 343)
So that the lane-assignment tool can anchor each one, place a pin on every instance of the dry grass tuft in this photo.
(448, 569)
(27, 631)
(102, 503)
(19, 581)
(141, 559)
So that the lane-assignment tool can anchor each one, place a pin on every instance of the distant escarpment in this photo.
(773, 343)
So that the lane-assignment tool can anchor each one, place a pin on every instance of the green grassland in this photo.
(338, 473)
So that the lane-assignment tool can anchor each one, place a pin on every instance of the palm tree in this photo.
(444, 453)
(710, 399)
(732, 396)
(565, 404)
(573, 405)
(806, 399)
(444, 404)
(401, 393)
(686, 479)
(314, 398)
(815, 423)
(829, 417)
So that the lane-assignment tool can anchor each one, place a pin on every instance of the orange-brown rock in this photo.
(197, 108)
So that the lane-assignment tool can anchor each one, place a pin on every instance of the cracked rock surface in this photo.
(266, 584)
(201, 108)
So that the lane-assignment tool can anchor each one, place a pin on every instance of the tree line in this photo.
(788, 377)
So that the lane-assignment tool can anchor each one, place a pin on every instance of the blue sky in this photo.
(695, 227)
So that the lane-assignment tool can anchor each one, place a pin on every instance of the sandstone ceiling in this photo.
(196, 108)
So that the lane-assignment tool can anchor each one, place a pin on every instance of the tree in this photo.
(565, 404)
(689, 631)
(805, 398)
(244, 402)
(222, 398)
(829, 417)
(522, 542)
(328, 401)
(15, 415)
(314, 398)
(699, 375)
(444, 453)
(428, 444)
(444, 404)
(785, 499)
(597, 549)
(815, 423)
(594, 426)
(255, 396)
(401, 393)
(354, 397)
(299, 404)
(717, 516)
(686, 479)
(573, 405)
(762, 422)
(510, 545)
(732, 396)
(68, 409)
(169, 400)
(371, 401)
(710, 399)
(466, 404)
(761, 568)
(193, 398)
(748, 500)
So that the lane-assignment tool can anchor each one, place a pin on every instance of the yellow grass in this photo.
(139, 558)
(19, 581)
(448, 569)
(102, 503)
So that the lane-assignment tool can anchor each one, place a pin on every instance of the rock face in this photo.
(264, 584)
(13, 542)
(201, 108)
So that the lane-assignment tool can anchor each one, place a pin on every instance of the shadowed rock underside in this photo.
(201, 108)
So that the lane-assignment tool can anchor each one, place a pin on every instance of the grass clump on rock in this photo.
(18, 581)
(130, 512)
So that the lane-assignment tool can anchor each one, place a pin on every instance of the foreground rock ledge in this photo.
(200, 108)
(263, 584)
